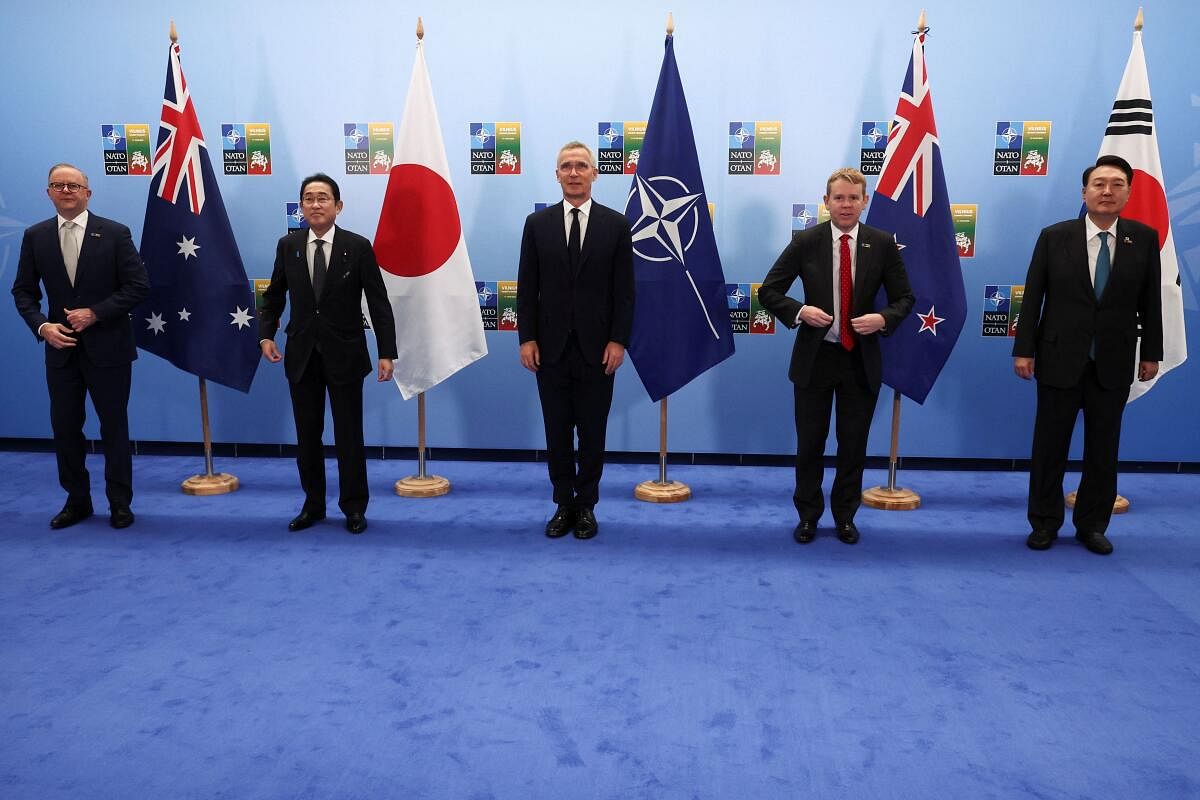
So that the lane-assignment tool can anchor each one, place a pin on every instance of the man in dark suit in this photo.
(842, 264)
(326, 270)
(93, 276)
(574, 313)
(1092, 283)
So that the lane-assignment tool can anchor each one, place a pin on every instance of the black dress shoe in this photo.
(1041, 539)
(356, 522)
(805, 531)
(305, 519)
(561, 523)
(1095, 541)
(586, 526)
(120, 517)
(847, 532)
(69, 516)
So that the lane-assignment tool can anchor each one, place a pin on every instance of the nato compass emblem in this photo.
(741, 135)
(804, 218)
(1008, 135)
(667, 225)
(234, 137)
(484, 293)
(356, 136)
(738, 298)
(482, 136)
(295, 215)
(874, 135)
(114, 136)
(610, 135)
(997, 301)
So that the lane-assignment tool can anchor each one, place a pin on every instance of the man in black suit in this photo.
(574, 314)
(93, 276)
(842, 264)
(1092, 283)
(326, 270)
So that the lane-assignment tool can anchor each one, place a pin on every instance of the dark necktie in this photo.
(1103, 265)
(573, 241)
(846, 284)
(318, 278)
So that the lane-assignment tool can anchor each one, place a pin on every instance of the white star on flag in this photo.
(187, 247)
(899, 246)
(929, 321)
(663, 217)
(156, 323)
(241, 317)
(185, 315)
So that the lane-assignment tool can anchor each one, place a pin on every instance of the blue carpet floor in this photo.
(690, 651)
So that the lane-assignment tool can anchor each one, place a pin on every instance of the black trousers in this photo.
(1057, 410)
(836, 375)
(308, 408)
(109, 390)
(576, 397)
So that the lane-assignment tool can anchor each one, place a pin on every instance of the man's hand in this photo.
(385, 369)
(1147, 370)
(80, 318)
(531, 359)
(868, 324)
(269, 351)
(1023, 367)
(614, 356)
(58, 336)
(814, 316)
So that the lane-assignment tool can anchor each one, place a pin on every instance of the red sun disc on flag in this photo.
(418, 227)
(1148, 204)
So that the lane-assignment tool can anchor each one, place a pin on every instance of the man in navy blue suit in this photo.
(93, 276)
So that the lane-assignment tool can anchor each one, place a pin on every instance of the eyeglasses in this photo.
(316, 199)
(70, 188)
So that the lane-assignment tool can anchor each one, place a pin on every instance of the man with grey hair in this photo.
(574, 315)
(93, 276)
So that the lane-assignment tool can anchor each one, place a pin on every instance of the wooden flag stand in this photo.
(422, 484)
(662, 490)
(892, 497)
(210, 482)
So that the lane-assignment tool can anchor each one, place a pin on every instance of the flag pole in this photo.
(1121, 504)
(891, 497)
(662, 490)
(422, 484)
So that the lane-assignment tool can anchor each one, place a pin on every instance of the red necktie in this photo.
(847, 296)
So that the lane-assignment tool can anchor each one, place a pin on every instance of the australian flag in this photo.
(681, 317)
(200, 312)
(911, 202)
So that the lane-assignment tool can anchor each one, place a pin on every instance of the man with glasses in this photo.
(574, 314)
(92, 276)
(326, 270)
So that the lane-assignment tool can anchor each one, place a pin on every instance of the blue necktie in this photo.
(1103, 265)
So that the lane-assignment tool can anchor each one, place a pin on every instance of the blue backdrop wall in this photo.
(307, 68)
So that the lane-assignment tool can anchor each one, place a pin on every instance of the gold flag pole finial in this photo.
(921, 26)
(420, 29)
(1139, 21)
(174, 34)
(670, 24)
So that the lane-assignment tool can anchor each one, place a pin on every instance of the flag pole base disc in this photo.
(416, 486)
(1120, 505)
(897, 499)
(218, 483)
(669, 492)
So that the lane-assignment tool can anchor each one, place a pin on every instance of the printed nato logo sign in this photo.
(126, 148)
(495, 148)
(610, 155)
(486, 291)
(804, 216)
(754, 147)
(741, 148)
(1001, 310)
(246, 148)
(358, 148)
(746, 314)
(295, 220)
(873, 147)
(1022, 148)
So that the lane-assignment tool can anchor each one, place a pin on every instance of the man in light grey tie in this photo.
(93, 276)
(1092, 289)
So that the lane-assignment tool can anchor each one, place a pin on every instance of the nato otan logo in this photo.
(369, 147)
(804, 216)
(618, 147)
(1022, 148)
(746, 314)
(873, 147)
(495, 148)
(295, 219)
(754, 148)
(246, 148)
(1001, 310)
(126, 148)
(486, 291)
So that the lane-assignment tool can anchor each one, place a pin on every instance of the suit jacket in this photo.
(110, 279)
(333, 321)
(1061, 315)
(596, 302)
(809, 257)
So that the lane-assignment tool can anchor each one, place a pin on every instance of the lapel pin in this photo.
(94, 235)
(866, 245)
(1128, 240)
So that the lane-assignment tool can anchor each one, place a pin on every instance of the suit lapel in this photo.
(1077, 257)
(824, 276)
(299, 257)
(864, 267)
(593, 230)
